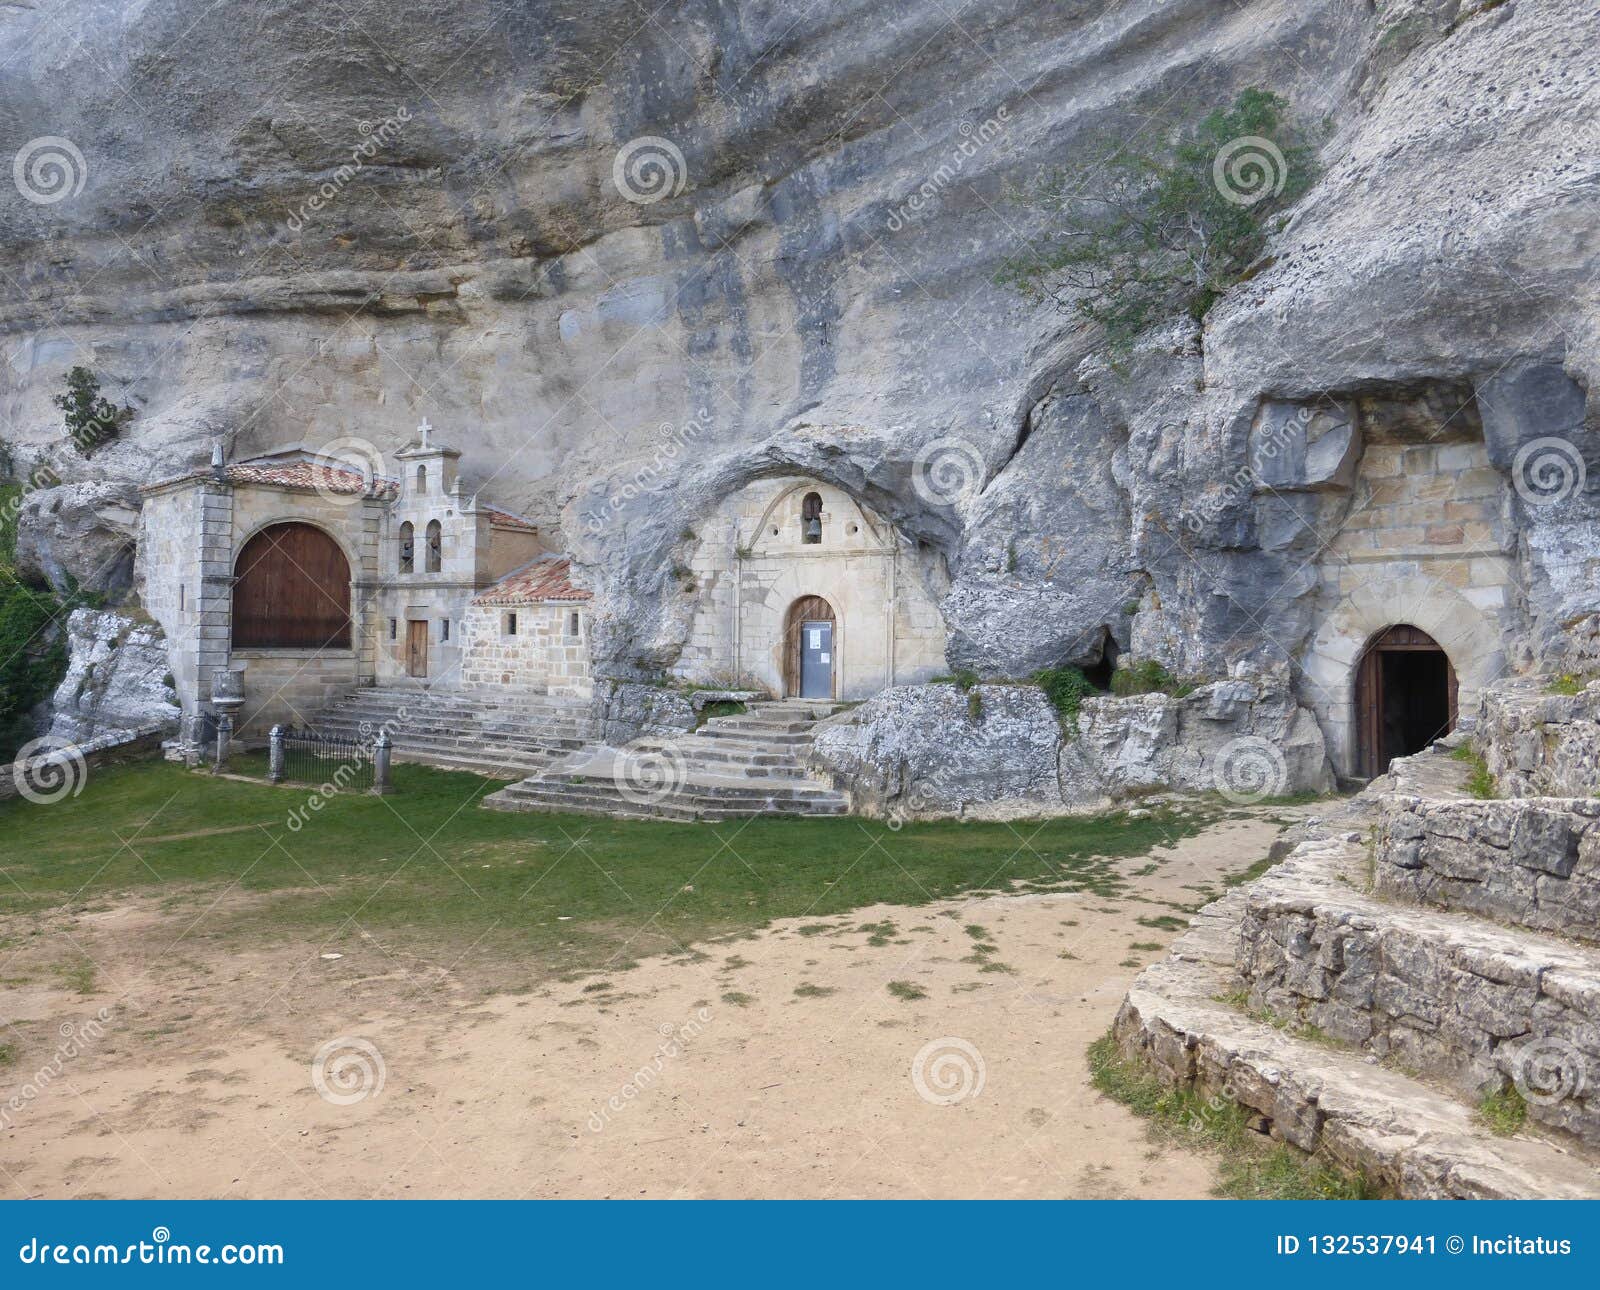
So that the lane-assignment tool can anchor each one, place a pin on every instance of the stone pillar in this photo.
(381, 755)
(275, 757)
(224, 738)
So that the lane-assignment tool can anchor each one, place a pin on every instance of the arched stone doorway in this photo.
(291, 590)
(810, 651)
(1406, 697)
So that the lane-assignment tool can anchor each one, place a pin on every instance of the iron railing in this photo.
(312, 758)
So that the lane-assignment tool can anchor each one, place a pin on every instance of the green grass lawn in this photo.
(428, 869)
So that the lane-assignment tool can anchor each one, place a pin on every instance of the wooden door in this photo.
(1372, 702)
(416, 648)
(291, 589)
(815, 611)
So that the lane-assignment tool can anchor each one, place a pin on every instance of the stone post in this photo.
(224, 738)
(275, 757)
(381, 753)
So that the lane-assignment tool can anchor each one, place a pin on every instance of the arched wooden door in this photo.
(291, 590)
(1406, 693)
(810, 667)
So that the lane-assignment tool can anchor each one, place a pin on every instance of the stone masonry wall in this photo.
(1534, 862)
(1471, 1004)
(750, 565)
(1536, 742)
(544, 654)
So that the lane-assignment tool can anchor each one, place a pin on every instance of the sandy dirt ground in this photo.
(895, 1052)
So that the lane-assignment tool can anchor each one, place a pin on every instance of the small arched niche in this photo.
(435, 546)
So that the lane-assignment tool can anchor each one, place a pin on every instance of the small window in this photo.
(811, 519)
(444, 629)
(573, 624)
(511, 625)
(422, 479)
(182, 595)
(408, 548)
(394, 629)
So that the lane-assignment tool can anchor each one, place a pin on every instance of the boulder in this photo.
(625, 711)
(933, 751)
(117, 679)
(80, 534)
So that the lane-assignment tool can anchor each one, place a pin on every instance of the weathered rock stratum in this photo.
(284, 223)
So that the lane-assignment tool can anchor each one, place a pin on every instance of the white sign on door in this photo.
(816, 638)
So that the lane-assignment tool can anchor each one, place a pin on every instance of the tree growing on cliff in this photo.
(1159, 225)
(90, 419)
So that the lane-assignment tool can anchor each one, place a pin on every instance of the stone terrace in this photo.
(1397, 966)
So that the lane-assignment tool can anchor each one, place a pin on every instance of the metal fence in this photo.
(310, 758)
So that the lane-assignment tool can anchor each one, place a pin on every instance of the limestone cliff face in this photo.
(812, 290)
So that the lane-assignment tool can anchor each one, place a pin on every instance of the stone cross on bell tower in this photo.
(429, 468)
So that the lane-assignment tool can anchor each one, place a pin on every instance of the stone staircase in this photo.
(1361, 1006)
(502, 734)
(733, 767)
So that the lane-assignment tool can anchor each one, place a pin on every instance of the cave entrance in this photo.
(1405, 697)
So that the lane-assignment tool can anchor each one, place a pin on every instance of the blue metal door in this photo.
(816, 659)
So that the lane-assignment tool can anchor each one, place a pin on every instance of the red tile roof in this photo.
(306, 475)
(507, 520)
(545, 579)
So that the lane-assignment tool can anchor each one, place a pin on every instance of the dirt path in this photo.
(782, 1064)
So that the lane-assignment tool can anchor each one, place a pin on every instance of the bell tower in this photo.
(427, 469)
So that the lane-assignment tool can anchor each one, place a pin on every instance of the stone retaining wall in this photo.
(62, 769)
(1540, 744)
(1533, 861)
(1470, 1003)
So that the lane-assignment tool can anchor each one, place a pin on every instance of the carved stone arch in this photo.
(1467, 635)
(870, 524)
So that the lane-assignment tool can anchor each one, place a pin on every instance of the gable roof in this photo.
(506, 520)
(300, 476)
(539, 581)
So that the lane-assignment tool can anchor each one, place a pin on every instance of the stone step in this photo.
(538, 796)
(509, 766)
(755, 762)
(1533, 861)
(533, 735)
(754, 738)
(505, 736)
(1405, 1137)
(734, 767)
(1450, 994)
(421, 714)
(703, 789)
(543, 795)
